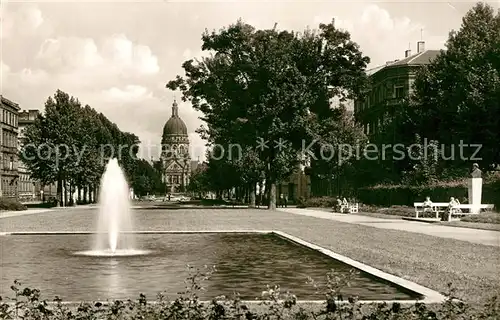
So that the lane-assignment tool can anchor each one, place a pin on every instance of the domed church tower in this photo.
(175, 158)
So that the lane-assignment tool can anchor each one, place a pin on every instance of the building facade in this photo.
(175, 158)
(390, 84)
(298, 185)
(28, 189)
(9, 176)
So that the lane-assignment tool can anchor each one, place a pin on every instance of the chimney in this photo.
(407, 53)
(420, 46)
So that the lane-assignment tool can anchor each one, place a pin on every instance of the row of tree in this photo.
(70, 144)
(273, 85)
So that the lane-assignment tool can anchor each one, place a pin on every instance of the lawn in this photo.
(430, 261)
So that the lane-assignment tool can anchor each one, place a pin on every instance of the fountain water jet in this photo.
(114, 226)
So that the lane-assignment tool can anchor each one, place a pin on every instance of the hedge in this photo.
(11, 205)
(389, 195)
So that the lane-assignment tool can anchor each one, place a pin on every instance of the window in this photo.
(399, 92)
(11, 163)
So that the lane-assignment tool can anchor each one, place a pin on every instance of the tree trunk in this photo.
(85, 189)
(65, 193)
(91, 193)
(252, 195)
(59, 191)
(272, 196)
(261, 192)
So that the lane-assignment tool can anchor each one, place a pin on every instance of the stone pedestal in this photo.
(475, 191)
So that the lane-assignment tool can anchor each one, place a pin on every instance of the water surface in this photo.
(245, 263)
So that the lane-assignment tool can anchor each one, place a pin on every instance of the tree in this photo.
(270, 86)
(334, 155)
(146, 179)
(457, 95)
(199, 182)
(50, 148)
(69, 143)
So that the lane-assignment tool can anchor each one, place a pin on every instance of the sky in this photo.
(117, 56)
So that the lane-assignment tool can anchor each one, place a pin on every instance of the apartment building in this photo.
(390, 83)
(28, 188)
(9, 176)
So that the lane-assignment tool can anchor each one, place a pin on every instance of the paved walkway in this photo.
(8, 214)
(485, 237)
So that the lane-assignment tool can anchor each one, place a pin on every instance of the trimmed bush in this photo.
(11, 205)
(389, 195)
(321, 202)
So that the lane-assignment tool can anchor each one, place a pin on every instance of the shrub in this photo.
(388, 195)
(274, 304)
(11, 205)
(320, 202)
(301, 202)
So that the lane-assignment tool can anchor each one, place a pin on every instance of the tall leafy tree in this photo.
(51, 156)
(457, 96)
(267, 87)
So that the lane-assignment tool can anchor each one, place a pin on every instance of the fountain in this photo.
(114, 226)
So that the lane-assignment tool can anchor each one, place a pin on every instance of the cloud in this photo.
(22, 20)
(4, 69)
(382, 36)
(116, 56)
(129, 93)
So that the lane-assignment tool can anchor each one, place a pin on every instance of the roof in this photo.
(419, 59)
(373, 70)
(175, 126)
(422, 58)
(9, 103)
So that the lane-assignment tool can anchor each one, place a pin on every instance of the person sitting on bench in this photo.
(428, 204)
(345, 205)
(338, 206)
(451, 207)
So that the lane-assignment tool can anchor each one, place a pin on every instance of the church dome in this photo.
(174, 125)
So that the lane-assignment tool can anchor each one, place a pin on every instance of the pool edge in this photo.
(430, 296)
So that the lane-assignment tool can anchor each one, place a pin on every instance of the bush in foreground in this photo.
(11, 205)
(274, 304)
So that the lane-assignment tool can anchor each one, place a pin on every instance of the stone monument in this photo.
(475, 188)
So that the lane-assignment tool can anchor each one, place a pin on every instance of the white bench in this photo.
(350, 208)
(466, 209)
(439, 207)
(353, 208)
(436, 207)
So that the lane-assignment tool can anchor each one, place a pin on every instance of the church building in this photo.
(175, 158)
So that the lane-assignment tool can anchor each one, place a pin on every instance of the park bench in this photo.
(436, 208)
(466, 209)
(353, 208)
(439, 207)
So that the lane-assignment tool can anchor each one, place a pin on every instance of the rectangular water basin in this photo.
(246, 263)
